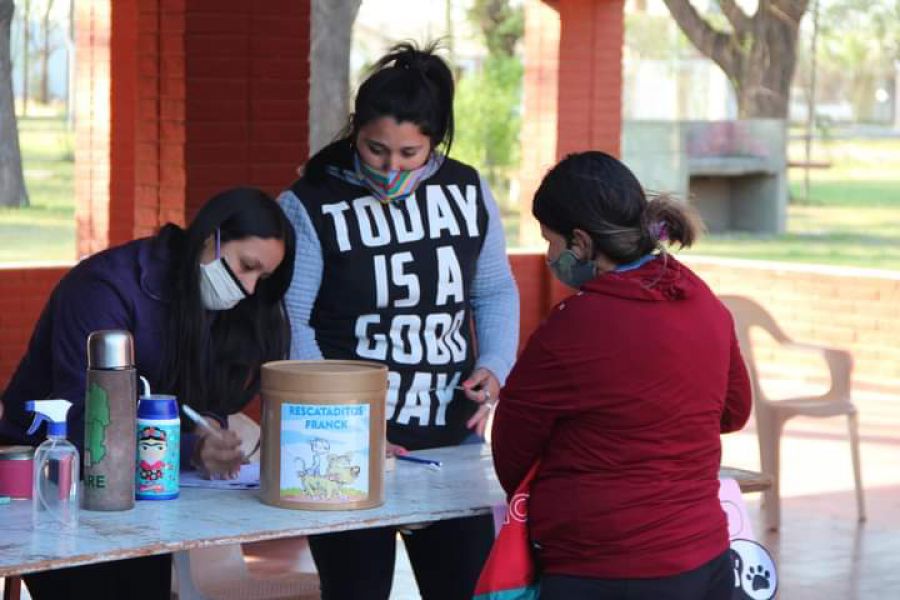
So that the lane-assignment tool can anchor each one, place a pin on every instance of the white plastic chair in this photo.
(771, 415)
(260, 571)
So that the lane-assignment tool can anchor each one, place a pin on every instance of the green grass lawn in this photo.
(45, 230)
(851, 218)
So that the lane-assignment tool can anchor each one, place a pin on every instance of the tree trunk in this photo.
(12, 183)
(765, 84)
(45, 54)
(26, 43)
(70, 69)
(329, 79)
(758, 55)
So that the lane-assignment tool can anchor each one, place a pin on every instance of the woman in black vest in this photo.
(404, 263)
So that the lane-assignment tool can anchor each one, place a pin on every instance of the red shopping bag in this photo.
(509, 572)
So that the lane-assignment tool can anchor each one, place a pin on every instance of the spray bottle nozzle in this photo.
(52, 411)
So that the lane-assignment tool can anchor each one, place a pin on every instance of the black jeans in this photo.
(446, 557)
(712, 581)
(148, 578)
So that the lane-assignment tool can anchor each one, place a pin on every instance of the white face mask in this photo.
(220, 288)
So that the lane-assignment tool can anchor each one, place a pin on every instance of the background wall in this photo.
(177, 100)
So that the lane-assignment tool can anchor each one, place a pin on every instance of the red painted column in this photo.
(247, 86)
(93, 21)
(176, 100)
(592, 33)
(539, 111)
(573, 102)
(590, 75)
(130, 72)
(180, 99)
(572, 88)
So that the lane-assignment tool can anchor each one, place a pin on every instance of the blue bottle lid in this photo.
(158, 406)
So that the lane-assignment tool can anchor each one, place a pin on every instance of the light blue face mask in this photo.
(571, 270)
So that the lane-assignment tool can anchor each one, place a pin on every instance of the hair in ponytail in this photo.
(671, 221)
(410, 84)
(598, 194)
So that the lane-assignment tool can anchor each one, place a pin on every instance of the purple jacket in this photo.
(121, 288)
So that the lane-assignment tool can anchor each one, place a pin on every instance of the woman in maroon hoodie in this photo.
(622, 394)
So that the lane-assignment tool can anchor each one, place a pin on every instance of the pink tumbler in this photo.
(16, 471)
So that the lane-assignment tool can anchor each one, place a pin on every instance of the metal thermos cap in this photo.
(110, 349)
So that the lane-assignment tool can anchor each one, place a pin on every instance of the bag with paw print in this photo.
(755, 576)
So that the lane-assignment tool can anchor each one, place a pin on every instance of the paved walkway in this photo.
(821, 549)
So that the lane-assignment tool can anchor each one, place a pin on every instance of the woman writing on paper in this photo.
(204, 305)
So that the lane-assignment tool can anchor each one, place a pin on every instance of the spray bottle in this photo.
(55, 465)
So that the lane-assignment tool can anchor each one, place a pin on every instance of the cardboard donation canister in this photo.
(323, 434)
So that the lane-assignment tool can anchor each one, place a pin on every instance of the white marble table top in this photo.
(465, 486)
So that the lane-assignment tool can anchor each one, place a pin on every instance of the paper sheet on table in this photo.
(248, 479)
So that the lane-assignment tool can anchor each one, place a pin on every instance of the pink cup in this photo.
(16, 471)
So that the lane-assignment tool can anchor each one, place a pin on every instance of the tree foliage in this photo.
(501, 24)
(860, 43)
(488, 105)
(488, 100)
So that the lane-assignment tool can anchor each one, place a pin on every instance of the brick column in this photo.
(184, 98)
(590, 75)
(93, 21)
(573, 95)
(177, 99)
(129, 159)
(539, 113)
(573, 88)
(247, 84)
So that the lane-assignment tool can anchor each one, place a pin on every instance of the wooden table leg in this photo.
(12, 590)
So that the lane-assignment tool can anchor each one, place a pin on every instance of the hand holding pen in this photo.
(218, 451)
(483, 388)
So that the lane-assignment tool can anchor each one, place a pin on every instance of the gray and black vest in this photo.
(395, 290)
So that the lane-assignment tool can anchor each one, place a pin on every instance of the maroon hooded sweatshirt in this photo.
(622, 394)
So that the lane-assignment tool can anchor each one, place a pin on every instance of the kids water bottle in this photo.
(55, 492)
(158, 447)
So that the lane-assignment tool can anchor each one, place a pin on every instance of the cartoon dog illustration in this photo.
(340, 473)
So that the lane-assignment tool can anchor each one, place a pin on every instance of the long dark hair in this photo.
(596, 193)
(212, 358)
(409, 84)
